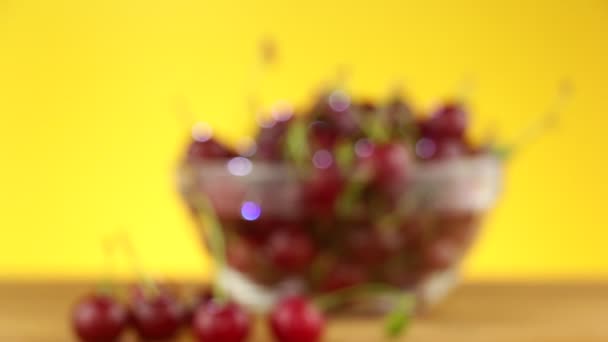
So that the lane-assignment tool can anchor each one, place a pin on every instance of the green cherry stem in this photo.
(107, 285)
(215, 237)
(396, 321)
(539, 126)
(135, 262)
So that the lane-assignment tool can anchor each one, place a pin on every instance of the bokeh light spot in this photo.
(364, 148)
(339, 101)
(425, 148)
(201, 131)
(239, 166)
(250, 211)
(322, 159)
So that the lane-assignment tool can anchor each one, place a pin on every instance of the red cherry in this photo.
(322, 190)
(335, 108)
(343, 276)
(203, 296)
(208, 149)
(99, 318)
(390, 166)
(448, 121)
(290, 249)
(295, 319)
(323, 134)
(156, 316)
(366, 246)
(269, 141)
(221, 322)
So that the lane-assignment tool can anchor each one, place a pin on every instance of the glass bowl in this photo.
(416, 245)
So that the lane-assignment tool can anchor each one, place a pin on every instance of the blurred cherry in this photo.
(208, 149)
(290, 249)
(323, 134)
(202, 296)
(366, 245)
(390, 166)
(270, 141)
(343, 275)
(322, 190)
(295, 319)
(99, 318)
(448, 121)
(156, 315)
(221, 322)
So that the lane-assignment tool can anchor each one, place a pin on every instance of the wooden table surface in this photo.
(472, 313)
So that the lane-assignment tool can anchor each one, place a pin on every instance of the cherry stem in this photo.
(541, 125)
(465, 88)
(107, 285)
(266, 58)
(338, 297)
(128, 248)
(215, 238)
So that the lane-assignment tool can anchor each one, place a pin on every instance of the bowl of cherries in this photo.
(344, 196)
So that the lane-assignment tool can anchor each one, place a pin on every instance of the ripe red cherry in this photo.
(448, 121)
(390, 166)
(323, 134)
(99, 318)
(366, 246)
(336, 109)
(295, 319)
(208, 149)
(343, 276)
(322, 190)
(290, 249)
(156, 316)
(270, 141)
(221, 322)
(203, 296)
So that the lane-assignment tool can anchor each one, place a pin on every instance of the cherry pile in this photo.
(354, 162)
(161, 316)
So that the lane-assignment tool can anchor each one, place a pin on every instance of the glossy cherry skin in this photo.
(221, 322)
(342, 276)
(366, 246)
(323, 134)
(448, 121)
(209, 149)
(321, 191)
(290, 249)
(99, 318)
(203, 296)
(390, 166)
(295, 319)
(270, 141)
(156, 316)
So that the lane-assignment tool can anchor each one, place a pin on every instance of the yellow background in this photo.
(90, 93)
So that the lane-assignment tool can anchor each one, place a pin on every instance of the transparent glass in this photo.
(438, 218)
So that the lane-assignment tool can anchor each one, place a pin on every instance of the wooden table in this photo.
(473, 313)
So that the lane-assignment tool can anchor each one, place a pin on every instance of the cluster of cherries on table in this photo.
(383, 142)
(159, 315)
